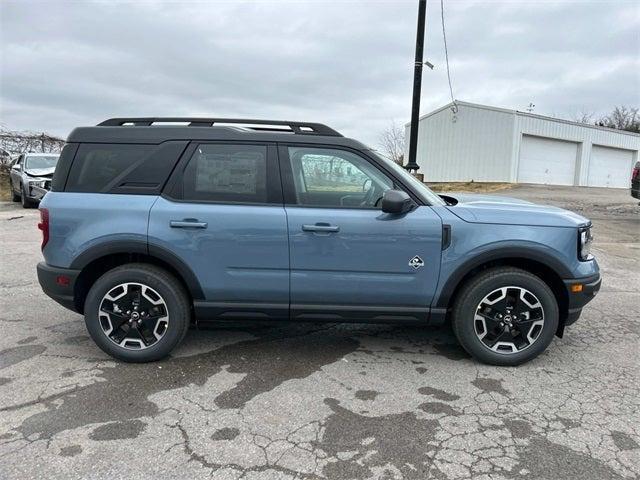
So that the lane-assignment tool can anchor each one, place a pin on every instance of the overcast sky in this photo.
(344, 63)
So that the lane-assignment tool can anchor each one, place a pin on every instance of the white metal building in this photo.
(489, 144)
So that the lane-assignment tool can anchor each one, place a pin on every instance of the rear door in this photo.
(222, 215)
(349, 260)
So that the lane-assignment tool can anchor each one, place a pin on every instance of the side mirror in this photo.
(396, 201)
(16, 166)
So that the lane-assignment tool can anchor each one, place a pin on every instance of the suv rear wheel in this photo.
(505, 316)
(137, 313)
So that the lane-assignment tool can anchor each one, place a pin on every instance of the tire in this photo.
(523, 338)
(26, 201)
(175, 310)
(14, 196)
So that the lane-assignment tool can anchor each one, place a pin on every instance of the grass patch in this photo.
(475, 187)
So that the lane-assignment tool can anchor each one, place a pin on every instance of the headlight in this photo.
(585, 239)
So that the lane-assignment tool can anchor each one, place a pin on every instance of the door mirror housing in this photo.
(16, 166)
(396, 201)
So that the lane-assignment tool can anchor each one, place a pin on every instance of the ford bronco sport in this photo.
(155, 223)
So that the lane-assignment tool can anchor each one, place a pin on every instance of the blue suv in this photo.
(153, 224)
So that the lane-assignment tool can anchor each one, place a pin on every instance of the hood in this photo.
(40, 172)
(511, 211)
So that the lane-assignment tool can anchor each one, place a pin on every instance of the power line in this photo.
(446, 56)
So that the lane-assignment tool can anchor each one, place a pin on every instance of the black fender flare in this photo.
(113, 247)
(496, 253)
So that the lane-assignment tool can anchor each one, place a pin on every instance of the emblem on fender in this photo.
(416, 262)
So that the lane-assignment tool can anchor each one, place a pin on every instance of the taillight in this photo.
(635, 175)
(44, 226)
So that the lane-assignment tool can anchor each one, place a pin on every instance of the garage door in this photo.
(546, 160)
(610, 167)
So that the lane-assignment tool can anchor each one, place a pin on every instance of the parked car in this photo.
(149, 227)
(635, 181)
(30, 177)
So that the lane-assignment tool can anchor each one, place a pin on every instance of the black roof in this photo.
(151, 130)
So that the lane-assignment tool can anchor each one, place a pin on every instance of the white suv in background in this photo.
(30, 177)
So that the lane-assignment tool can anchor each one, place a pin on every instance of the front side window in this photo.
(328, 177)
(226, 173)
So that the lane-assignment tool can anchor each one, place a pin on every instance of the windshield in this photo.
(426, 192)
(45, 161)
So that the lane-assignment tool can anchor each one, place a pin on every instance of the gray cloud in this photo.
(347, 64)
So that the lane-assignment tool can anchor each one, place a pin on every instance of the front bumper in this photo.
(36, 192)
(58, 283)
(578, 299)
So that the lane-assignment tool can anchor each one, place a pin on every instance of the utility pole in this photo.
(411, 165)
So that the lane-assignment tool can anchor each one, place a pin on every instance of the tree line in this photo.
(14, 142)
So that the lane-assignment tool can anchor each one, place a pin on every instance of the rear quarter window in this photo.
(123, 168)
(97, 165)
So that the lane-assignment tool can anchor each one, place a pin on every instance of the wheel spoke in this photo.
(489, 318)
(527, 321)
(120, 334)
(498, 337)
(138, 334)
(117, 319)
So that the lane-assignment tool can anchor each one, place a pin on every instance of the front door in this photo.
(222, 216)
(349, 260)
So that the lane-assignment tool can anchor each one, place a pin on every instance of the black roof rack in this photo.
(299, 128)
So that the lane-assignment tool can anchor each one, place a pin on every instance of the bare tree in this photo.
(391, 142)
(584, 117)
(14, 142)
(622, 118)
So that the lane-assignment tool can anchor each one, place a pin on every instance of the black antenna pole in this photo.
(411, 165)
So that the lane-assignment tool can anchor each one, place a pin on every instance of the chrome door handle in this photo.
(321, 227)
(187, 223)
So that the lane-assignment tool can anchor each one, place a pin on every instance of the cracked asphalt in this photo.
(324, 401)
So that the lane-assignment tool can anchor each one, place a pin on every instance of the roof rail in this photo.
(299, 128)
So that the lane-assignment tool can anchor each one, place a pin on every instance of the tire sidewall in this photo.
(465, 312)
(15, 196)
(172, 297)
(25, 200)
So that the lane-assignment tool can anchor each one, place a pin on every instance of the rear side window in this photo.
(227, 173)
(97, 165)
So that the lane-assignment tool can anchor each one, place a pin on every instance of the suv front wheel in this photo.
(505, 316)
(137, 312)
